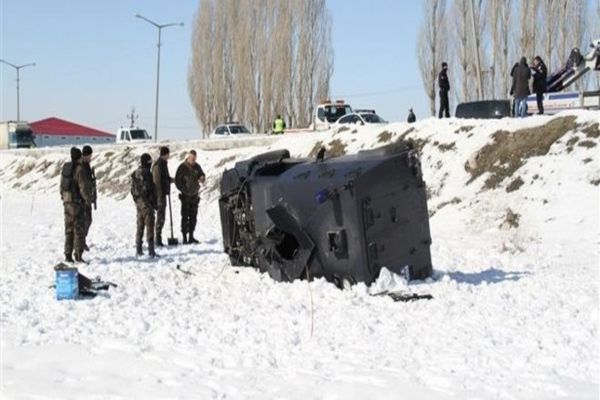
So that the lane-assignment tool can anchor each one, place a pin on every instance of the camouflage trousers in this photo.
(145, 220)
(87, 219)
(74, 228)
(189, 213)
(160, 217)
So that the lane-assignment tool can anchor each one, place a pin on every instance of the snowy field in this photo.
(514, 315)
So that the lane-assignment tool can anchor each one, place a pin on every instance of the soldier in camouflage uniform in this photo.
(76, 193)
(144, 195)
(187, 179)
(87, 211)
(162, 183)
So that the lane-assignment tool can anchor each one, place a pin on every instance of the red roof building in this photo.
(55, 132)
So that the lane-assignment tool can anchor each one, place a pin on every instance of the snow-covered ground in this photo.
(514, 315)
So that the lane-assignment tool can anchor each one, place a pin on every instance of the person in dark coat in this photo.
(540, 74)
(521, 75)
(188, 178)
(512, 89)
(162, 183)
(444, 88)
(411, 116)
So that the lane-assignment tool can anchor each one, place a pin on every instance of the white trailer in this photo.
(16, 135)
(557, 102)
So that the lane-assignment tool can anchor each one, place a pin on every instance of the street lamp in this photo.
(18, 68)
(160, 27)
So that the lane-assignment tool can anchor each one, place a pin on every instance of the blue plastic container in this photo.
(67, 284)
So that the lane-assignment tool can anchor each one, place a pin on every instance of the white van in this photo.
(132, 135)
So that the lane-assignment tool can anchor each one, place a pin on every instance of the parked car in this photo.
(231, 129)
(361, 119)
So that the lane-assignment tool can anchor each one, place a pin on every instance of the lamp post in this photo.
(18, 68)
(160, 28)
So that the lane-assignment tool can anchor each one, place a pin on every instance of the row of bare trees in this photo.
(482, 39)
(253, 60)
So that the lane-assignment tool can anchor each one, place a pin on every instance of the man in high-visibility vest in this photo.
(278, 126)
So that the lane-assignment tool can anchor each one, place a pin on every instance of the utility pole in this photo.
(18, 68)
(132, 117)
(476, 49)
(160, 28)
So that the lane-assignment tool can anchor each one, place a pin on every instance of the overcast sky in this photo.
(95, 60)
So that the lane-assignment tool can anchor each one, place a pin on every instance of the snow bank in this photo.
(514, 313)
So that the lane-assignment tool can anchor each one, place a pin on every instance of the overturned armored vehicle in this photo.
(341, 218)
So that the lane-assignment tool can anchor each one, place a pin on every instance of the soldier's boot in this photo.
(138, 249)
(78, 258)
(158, 241)
(85, 247)
(151, 251)
(69, 258)
(192, 239)
(185, 238)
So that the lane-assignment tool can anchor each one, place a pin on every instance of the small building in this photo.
(58, 132)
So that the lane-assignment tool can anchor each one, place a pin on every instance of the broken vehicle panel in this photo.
(341, 218)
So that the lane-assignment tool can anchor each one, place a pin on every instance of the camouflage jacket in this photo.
(76, 184)
(146, 192)
(92, 175)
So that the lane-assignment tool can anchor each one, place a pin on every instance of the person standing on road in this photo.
(162, 183)
(87, 210)
(279, 126)
(540, 74)
(521, 76)
(144, 196)
(444, 88)
(188, 178)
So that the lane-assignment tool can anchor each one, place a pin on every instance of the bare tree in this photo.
(562, 21)
(478, 30)
(252, 60)
(571, 31)
(506, 15)
(461, 55)
(200, 83)
(528, 25)
(577, 21)
(500, 30)
(432, 46)
(504, 31)
(550, 16)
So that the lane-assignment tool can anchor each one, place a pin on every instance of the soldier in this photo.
(144, 196)
(87, 211)
(162, 183)
(76, 193)
(187, 179)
